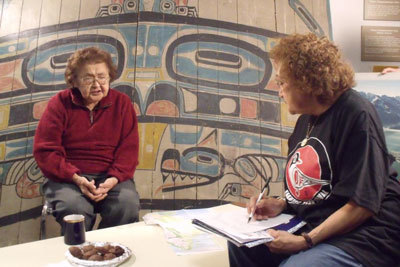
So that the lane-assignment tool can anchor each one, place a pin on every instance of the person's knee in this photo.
(126, 206)
(66, 198)
(73, 206)
(64, 208)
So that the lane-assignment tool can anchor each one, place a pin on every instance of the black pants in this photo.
(253, 257)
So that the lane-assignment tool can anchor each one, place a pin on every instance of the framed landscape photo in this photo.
(383, 92)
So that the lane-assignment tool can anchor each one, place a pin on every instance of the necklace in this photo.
(309, 130)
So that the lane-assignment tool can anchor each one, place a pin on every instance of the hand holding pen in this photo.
(264, 189)
(264, 208)
(258, 200)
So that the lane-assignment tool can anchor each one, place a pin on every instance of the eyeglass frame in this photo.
(93, 79)
(279, 82)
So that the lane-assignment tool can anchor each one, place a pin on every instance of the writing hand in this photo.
(265, 208)
(285, 242)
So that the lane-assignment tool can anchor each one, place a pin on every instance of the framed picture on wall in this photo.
(380, 43)
(383, 92)
(381, 10)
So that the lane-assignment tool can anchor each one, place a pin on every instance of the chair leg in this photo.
(43, 224)
(46, 210)
(43, 227)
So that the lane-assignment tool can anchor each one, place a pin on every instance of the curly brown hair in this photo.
(89, 55)
(313, 65)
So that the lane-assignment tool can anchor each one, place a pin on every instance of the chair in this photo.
(46, 210)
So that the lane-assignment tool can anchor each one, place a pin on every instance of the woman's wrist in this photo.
(77, 179)
(282, 201)
(307, 239)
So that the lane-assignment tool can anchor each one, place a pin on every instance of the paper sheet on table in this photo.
(180, 234)
(234, 221)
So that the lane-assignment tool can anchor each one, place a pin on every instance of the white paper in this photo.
(232, 221)
(181, 234)
(235, 221)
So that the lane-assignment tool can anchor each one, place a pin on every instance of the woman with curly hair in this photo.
(337, 176)
(87, 143)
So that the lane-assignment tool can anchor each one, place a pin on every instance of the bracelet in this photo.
(308, 239)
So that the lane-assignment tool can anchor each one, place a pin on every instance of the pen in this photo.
(259, 198)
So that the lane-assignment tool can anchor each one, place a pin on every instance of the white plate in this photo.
(109, 263)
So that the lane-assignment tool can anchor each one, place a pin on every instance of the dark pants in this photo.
(253, 257)
(121, 206)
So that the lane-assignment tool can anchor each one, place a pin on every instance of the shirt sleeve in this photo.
(363, 172)
(48, 150)
(127, 152)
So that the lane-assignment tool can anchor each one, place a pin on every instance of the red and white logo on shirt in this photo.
(308, 174)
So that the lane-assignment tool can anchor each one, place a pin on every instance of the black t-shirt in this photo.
(345, 158)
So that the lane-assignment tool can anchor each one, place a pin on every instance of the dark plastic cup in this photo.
(74, 233)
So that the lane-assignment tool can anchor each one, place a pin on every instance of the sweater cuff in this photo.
(71, 172)
(115, 174)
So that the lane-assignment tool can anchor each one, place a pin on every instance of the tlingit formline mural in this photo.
(212, 127)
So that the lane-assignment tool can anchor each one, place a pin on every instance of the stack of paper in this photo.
(230, 222)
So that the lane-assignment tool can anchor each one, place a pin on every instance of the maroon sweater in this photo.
(72, 139)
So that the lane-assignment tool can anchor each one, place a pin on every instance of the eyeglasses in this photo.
(88, 80)
(280, 83)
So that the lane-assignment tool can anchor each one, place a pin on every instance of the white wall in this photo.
(347, 19)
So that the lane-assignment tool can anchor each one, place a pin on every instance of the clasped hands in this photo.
(90, 190)
(284, 242)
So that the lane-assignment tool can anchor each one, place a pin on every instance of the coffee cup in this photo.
(74, 230)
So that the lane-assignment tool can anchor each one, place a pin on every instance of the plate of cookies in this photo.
(98, 254)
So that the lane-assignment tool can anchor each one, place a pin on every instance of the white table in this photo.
(147, 243)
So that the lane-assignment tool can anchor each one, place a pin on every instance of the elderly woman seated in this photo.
(337, 175)
(86, 145)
